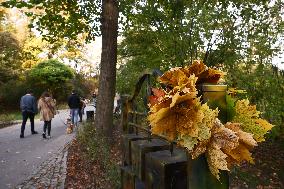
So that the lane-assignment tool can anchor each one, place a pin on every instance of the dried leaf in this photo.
(216, 160)
(240, 154)
(210, 76)
(199, 149)
(246, 138)
(196, 68)
(187, 141)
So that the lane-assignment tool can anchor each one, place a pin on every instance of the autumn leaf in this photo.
(248, 116)
(157, 97)
(210, 76)
(173, 77)
(246, 138)
(196, 68)
(216, 159)
(240, 154)
(158, 92)
(199, 148)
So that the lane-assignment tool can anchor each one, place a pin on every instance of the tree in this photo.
(239, 37)
(68, 19)
(9, 57)
(107, 78)
(51, 74)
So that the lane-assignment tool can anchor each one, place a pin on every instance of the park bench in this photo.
(152, 162)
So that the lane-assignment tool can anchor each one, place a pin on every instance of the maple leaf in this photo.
(225, 138)
(157, 97)
(187, 141)
(158, 92)
(199, 148)
(232, 141)
(240, 153)
(216, 160)
(248, 117)
(210, 76)
(165, 126)
(196, 68)
(246, 138)
(173, 77)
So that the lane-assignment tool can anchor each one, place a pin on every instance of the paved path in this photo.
(33, 161)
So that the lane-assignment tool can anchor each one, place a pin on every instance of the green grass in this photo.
(98, 149)
(62, 106)
(12, 116)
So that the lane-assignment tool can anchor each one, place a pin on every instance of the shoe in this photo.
(22, 136)
(43, 135)
(34, 132)
(48, 136)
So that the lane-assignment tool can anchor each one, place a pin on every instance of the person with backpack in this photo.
(47, 109)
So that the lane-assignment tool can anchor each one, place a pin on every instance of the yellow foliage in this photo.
(248, 117)
(178, 114)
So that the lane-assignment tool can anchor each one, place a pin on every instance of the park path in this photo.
(33, 162)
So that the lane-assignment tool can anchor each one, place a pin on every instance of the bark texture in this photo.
(107, 79)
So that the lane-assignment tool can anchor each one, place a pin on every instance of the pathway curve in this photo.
(23, 160)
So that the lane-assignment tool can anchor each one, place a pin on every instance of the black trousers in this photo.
(27, 115)
(47, 125)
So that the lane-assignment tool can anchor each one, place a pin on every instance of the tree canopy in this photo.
(51, 74)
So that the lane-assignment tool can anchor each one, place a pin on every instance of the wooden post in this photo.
(199, 175)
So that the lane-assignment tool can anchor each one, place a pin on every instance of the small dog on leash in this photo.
(70, 126)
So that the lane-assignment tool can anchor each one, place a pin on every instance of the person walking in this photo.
(74, 105)
(29, 109)
(47, 109)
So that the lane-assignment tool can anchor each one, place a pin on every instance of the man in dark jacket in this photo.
(29, 109)
(74, 105)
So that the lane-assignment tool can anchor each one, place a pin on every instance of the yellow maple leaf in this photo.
(240, 153)
(248, 116)
(216, 160)
(187, 141)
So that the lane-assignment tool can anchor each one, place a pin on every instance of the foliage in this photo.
(9, 56)
(178, 114)
(264, 86)
(239, 37)
(98, 150)
(10, 94)
(51, 74)
(248, 116)
(62, 19)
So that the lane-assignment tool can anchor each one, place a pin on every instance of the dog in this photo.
(70, 126)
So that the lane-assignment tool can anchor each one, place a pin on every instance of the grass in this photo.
(10, 117)
(99, 150)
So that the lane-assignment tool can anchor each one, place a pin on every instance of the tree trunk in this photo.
(107, 79)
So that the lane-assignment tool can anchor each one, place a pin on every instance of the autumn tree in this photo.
(68, 19)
